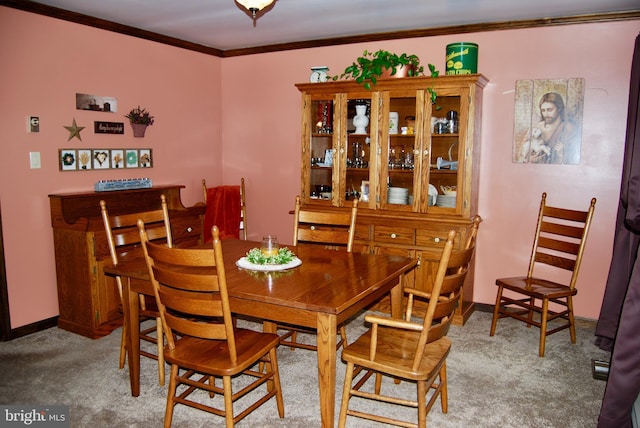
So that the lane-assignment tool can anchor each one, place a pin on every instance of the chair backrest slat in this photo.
(191, 290)
(335, 228)
(122, 230)
(445, 293)
(560, 239)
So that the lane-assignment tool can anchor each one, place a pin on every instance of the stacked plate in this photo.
(433, 194)
(398, 195)
(447, 201)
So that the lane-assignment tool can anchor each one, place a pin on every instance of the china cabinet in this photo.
(414, 166)
(87, 298)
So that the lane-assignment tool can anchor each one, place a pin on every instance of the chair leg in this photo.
(532, 302)
(212, 382)
(346, 395)
(168, 414)
(343, 334)
(378, 383)
(123, 346)
(572, 325)
(160, 343)
(228, 401)
(543, 325)
(273, 367)
(422, 404)
(444, 397)
(496, 311)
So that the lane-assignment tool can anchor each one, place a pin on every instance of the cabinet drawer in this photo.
(394, 235)
(185, 228)
(437, 236)
(362, 233)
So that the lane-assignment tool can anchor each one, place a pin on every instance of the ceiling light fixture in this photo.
(255, 6)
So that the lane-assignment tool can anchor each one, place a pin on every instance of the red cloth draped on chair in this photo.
(223, 210)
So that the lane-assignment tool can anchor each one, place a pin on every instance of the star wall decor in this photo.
(74, 130)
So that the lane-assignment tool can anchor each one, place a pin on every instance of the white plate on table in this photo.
(244, 263)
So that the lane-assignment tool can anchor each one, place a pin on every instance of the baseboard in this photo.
(33, 328)
(483, 307)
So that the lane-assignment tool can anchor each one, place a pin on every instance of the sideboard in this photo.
(88, 300)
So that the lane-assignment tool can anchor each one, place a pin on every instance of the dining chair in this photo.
(330, 229)
(412, 349)
(207, 193)
(559, 243)
(202, 343)
(122, 237)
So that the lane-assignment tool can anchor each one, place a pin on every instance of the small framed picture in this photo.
(117, 158)
(145, 158)
(84, 159)
(101, 159)
(364, 191)
(132, 158)
(68, 159)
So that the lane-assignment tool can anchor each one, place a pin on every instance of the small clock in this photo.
(319, 74)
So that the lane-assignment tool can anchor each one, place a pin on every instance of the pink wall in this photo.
(44, 63)
(262, 112)
(240, 117)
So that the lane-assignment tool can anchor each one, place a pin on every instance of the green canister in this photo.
(462, 58)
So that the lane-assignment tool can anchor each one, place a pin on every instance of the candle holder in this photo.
(269, 246)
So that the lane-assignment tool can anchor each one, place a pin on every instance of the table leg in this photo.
(396, 299)
(326, 336)
(268, 327)
(132, 318)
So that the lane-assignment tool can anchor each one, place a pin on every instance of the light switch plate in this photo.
(34, 159)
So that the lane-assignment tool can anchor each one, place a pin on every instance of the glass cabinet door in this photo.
(400, 147)
(447, 136)
(356, 150)
(318, 153)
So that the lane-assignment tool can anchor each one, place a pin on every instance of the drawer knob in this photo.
(312, 228)
(189, 229)
(436, 239)
(394, 236)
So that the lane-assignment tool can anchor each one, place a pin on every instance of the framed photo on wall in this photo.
(548, 121)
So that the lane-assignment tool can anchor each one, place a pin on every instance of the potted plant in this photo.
(139, 118)
(371, 66)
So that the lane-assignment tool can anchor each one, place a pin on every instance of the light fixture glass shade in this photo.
(255, 4)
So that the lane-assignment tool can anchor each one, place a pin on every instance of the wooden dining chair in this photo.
(202, 343)
(243, 205)
(123, 236)
(559, 243)
(330, 229)
(412, 349)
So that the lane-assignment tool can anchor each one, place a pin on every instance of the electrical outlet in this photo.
(33, 124)
(34, 159)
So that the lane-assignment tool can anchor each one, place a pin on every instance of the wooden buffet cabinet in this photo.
(88, 300)
(393, 172)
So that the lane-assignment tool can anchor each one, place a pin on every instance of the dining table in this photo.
(327, 289)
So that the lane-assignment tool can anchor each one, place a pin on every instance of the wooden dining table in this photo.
(327, 289)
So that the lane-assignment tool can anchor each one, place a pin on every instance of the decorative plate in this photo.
(244, 263)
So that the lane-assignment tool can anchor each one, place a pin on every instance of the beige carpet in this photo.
(493, 381)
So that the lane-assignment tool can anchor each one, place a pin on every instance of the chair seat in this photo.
(212, 356)
(536, 287)
(395, 353)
